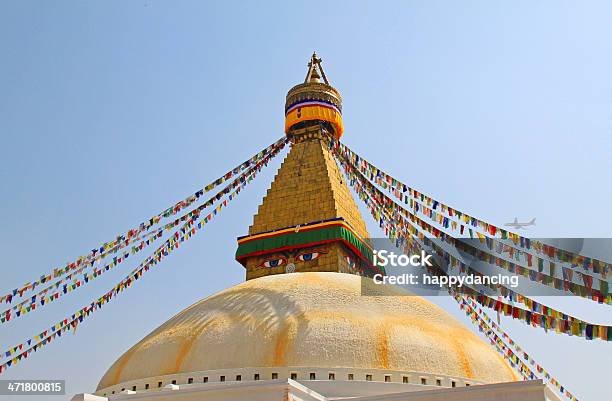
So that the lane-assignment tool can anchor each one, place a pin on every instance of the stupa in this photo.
(298, 328)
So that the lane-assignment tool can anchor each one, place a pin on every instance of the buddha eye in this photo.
(273, 262)
(350, 262)
(308, 256)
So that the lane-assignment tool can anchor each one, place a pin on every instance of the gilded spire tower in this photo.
(308, 220)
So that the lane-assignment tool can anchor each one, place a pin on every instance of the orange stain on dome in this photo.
(121, 363)
(464, 362)
(382, 339)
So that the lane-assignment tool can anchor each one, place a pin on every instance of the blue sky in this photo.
(111, 111)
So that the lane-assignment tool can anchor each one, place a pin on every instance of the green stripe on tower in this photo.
(304, 238)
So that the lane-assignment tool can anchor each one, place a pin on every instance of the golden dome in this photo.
(310, 319)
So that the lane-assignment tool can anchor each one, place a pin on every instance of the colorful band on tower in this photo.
(313, 110)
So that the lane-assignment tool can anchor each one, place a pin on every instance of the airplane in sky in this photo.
(518, 225)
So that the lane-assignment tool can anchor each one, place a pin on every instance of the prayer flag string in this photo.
(519, 350)
(457, 220)
(567, 284)
(514, 352)
(188, 230)
(396, 227)
(54, 292)
(124, 239)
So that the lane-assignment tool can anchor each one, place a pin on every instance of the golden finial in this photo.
(315, 70)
